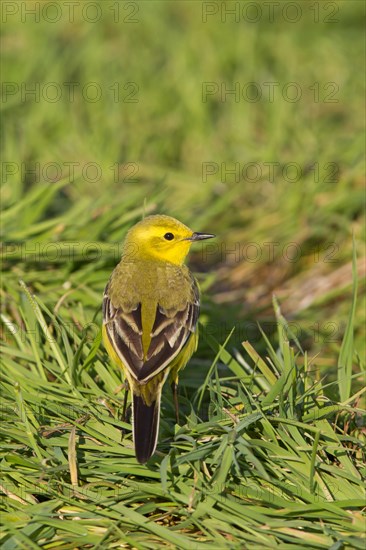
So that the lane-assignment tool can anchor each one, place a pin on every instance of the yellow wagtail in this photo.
(150, 311)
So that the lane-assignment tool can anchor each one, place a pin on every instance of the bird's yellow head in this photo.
(161, 238)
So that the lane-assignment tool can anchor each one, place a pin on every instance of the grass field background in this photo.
(245, 123)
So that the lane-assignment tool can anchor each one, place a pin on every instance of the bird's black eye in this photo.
(169, 236)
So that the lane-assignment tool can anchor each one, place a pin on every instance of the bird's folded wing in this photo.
(171, 331)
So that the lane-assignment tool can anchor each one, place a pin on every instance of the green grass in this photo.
(270, 450)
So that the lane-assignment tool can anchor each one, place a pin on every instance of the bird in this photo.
(151, 306)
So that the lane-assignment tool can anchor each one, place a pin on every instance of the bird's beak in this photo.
(200, 237)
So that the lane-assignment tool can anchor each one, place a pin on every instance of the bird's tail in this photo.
(145, 426)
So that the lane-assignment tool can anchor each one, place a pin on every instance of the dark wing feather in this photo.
(124, 330)
(171, 331)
